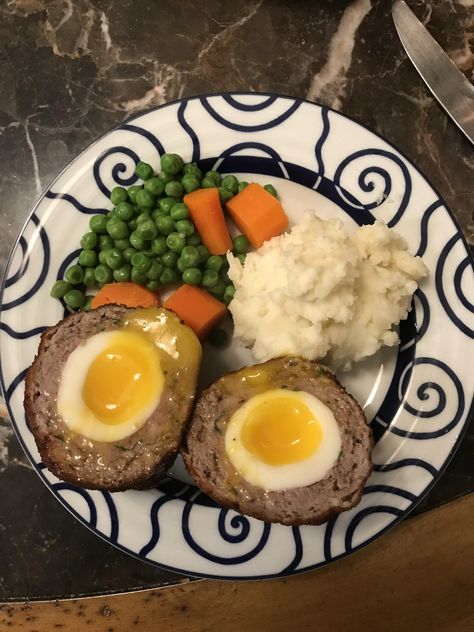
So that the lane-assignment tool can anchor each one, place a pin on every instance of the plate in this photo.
(415, 396)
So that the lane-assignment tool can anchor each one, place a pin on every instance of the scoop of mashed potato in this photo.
(321, 293)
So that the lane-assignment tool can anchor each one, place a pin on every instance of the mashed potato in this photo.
(321, 293)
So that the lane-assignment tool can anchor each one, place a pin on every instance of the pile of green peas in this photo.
(148, 237)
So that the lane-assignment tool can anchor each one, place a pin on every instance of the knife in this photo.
(447, 83)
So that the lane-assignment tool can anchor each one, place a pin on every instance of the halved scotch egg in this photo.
(109, 394)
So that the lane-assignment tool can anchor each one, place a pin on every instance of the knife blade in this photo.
(446, 82)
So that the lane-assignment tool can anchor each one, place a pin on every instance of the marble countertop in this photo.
(69, 71)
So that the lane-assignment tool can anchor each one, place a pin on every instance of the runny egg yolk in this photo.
(281, 430)
(122, 379)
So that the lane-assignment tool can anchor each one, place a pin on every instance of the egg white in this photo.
(279, 477)
(71, 407)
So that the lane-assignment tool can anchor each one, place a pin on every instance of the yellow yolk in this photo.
(281, 430)
(122, 379)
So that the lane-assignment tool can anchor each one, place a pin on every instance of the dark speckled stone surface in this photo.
(69, 71)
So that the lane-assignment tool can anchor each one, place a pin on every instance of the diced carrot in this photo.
(258, 214)
(206, 212)
(196, 308)
(125, 293)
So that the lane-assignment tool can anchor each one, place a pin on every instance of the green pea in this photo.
(191, 169)
(147, 229)
(89, 241)
(193, 240)
(154, 271)
(74, 275)
(87, 302)
(141, 262)
(218, 289)
(143, 217)
(169, 259)
(153, 286)
(132, 225)
(114, 258)
(192, 276)
(214, 175)
(181, 265)
(132, 192)
(117, 228)
(59, 289)
(125, 211)
(229, 294)
(103, 256)
(203, 253)
(138, 276)
(98, 223)
(122, 244)
(241, 257)
(145, 199)
(242, 186)
(165, 225)
(174, 189)
(117, 195)
(231, 183)
(89, 277)
(171, 163)
(137, 241)
(103, 274)
(208, 183)
(185, 227)
(215, 262)
(175, 242)
(165, 177)
(166, 204)
(225, 195)
(156, 213)
(74, 298)
(128, 253)
(218, 338)
(155, 186)
(179, 211)
(190, 183)
(148, 252)
(158, 245)
(123, 273)
(210, 278)
(88, 258)
(143, 170)
(241, 244)
(105, 242)
(190, 256)
(271, 189)
(168, 276)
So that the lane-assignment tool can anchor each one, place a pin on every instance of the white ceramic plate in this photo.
(416, 396)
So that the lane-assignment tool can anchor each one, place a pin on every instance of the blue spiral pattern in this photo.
(419, 405)
(464, 264)
(117, 170)
(366, 184)
(24, 262)
(86, 210)
(239, 522)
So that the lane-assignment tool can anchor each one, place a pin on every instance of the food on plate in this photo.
(125, 293)
(321, 293)
(258, 214)
(109, 393)
(206, 212)
(153, 238)
(197, 309)
(281, 441)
